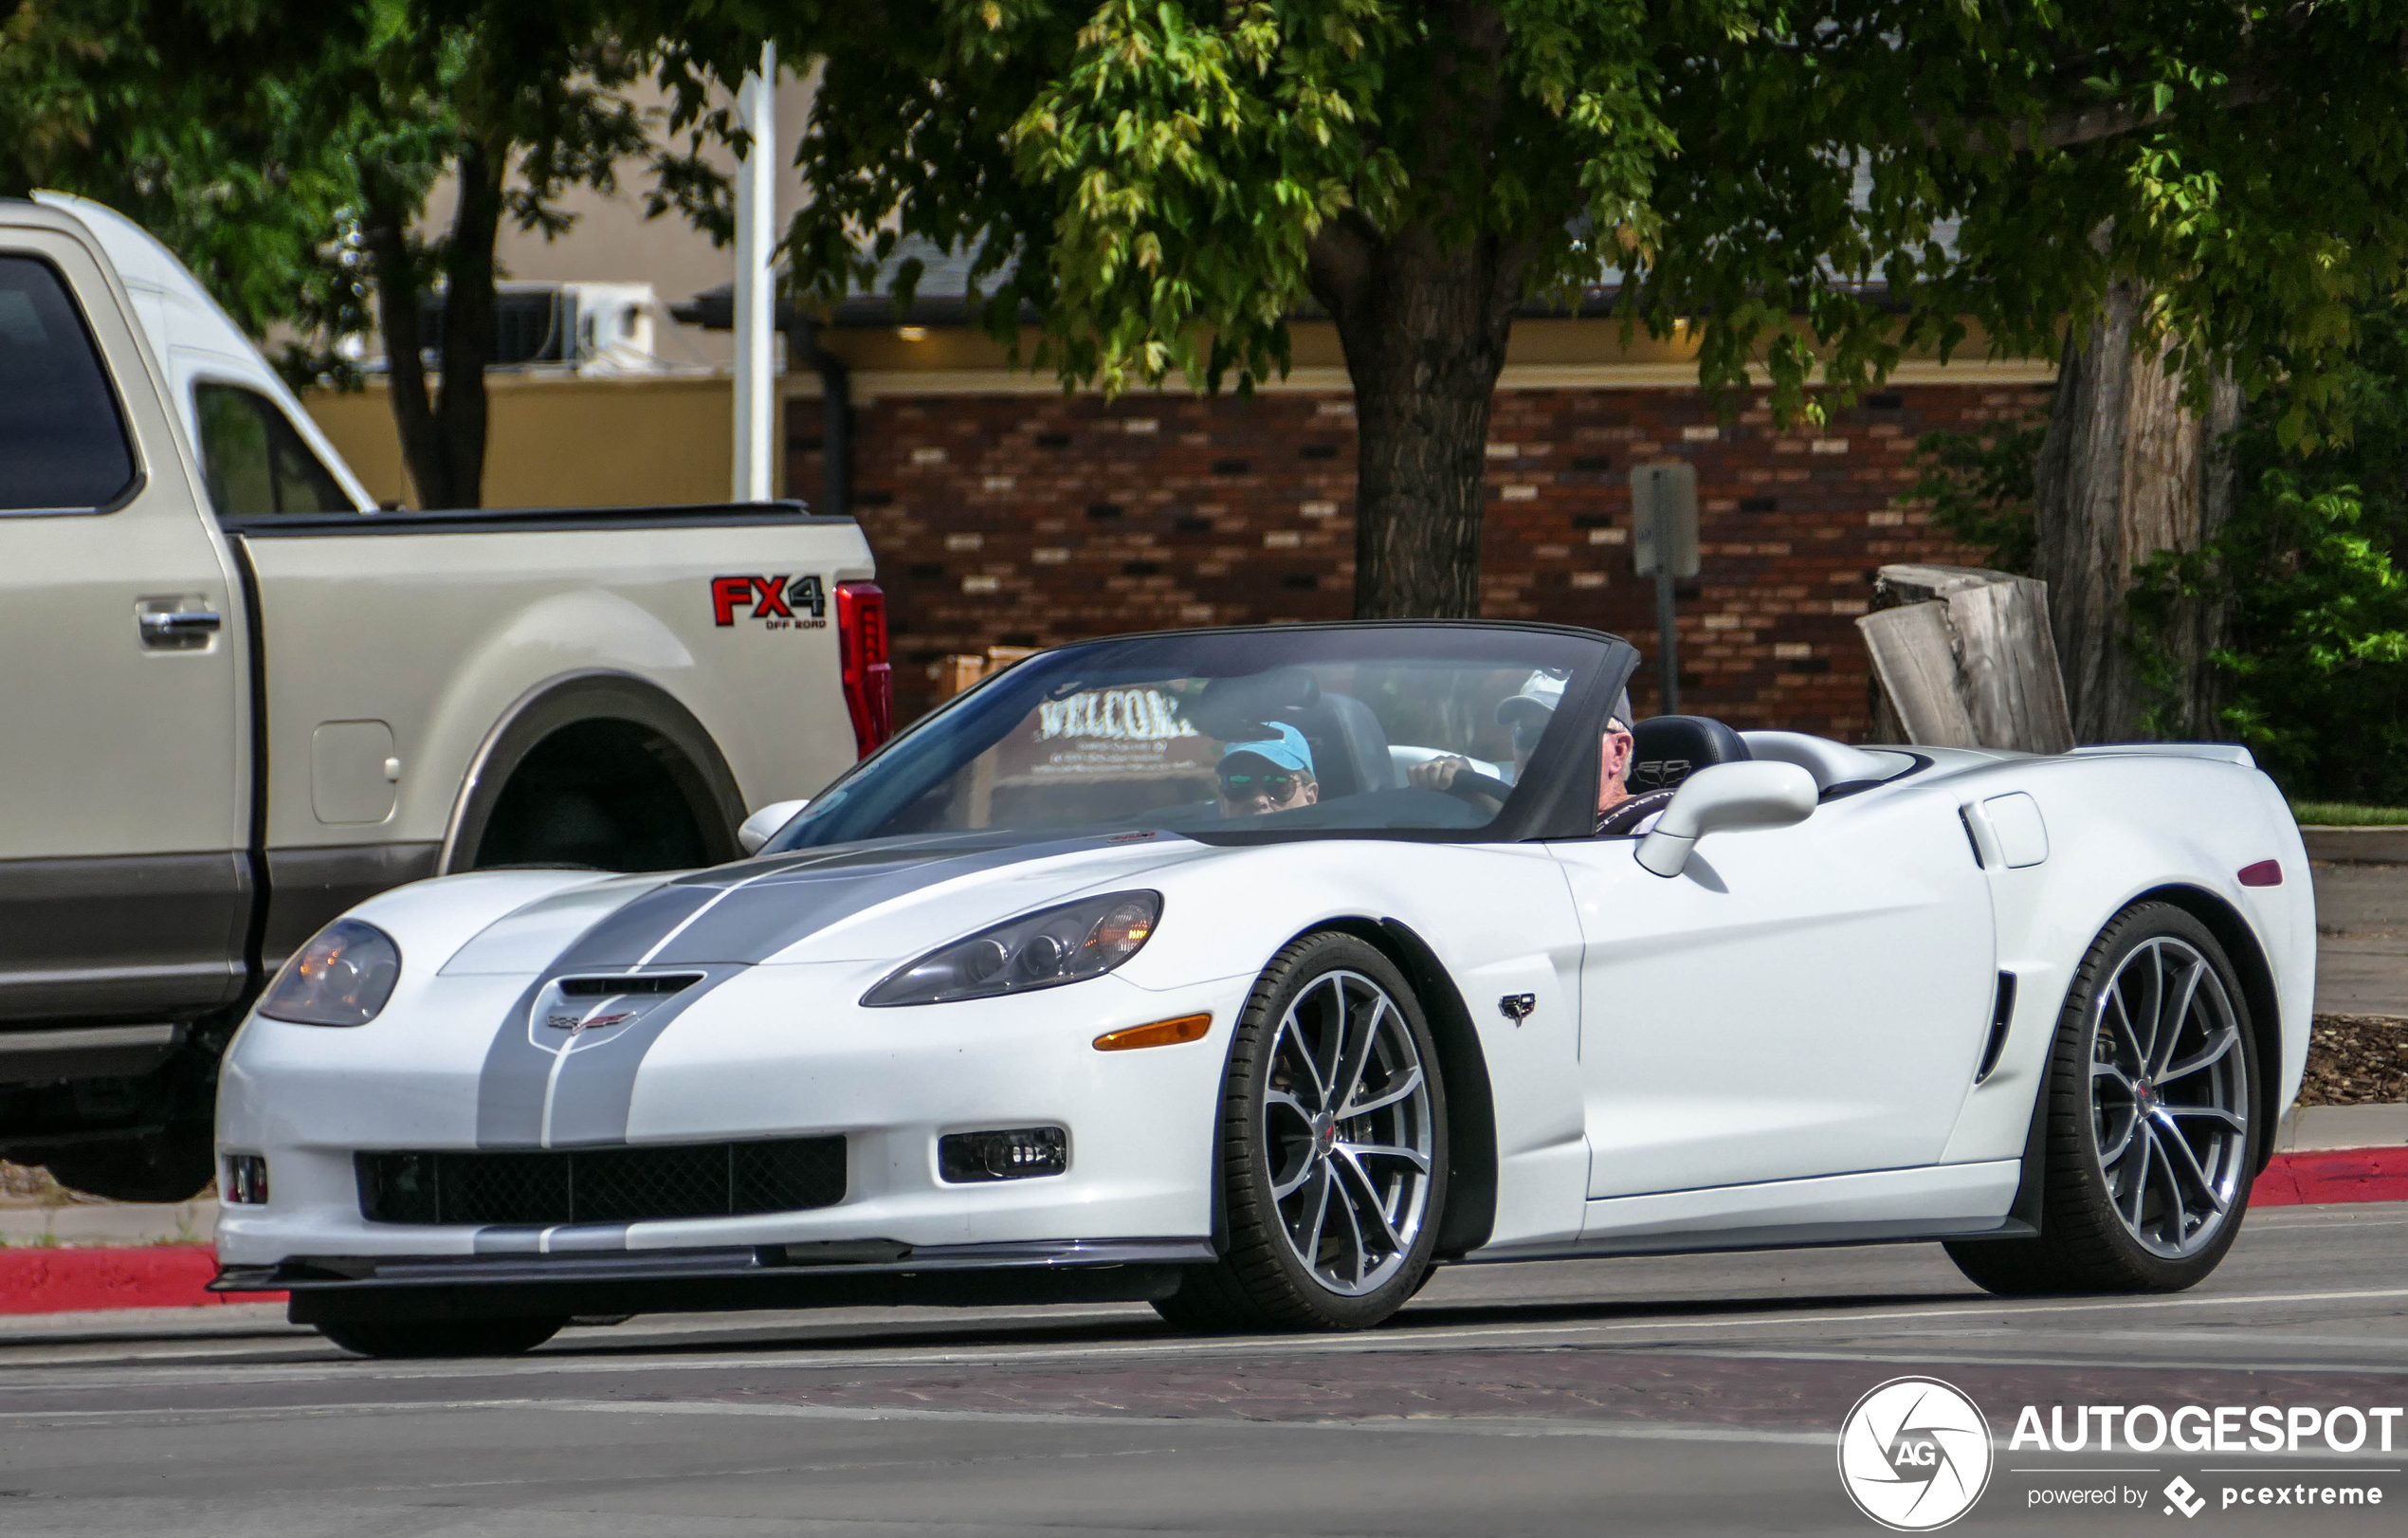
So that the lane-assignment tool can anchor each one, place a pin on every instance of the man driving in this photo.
(1526, 712)
(1268, 773)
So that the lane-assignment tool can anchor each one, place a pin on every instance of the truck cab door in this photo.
(1799, 1002)
(123, 710)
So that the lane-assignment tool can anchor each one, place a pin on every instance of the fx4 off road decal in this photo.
(780, 605)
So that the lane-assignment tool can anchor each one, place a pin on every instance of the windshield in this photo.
(1355, 727)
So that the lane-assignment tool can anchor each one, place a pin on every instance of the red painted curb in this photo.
(154, 1276)
(177, 1275)
(2296, 1180)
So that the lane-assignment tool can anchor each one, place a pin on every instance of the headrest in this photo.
(1235, 709)
(1666, 749)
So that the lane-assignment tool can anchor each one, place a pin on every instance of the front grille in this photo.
(602, 1186)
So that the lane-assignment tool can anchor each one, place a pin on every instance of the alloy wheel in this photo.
(2169, 1097)
(1348, 1132)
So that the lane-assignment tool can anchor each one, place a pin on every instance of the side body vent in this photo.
(2001, 1012)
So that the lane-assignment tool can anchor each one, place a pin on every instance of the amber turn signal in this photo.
(1161, 1033)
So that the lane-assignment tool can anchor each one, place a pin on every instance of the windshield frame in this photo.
(1554, 797)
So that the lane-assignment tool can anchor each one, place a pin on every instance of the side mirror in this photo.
(1724, 797)
(761, 824)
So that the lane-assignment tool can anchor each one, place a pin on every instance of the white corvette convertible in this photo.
(1256, 973)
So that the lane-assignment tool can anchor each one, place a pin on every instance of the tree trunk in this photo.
(469, 323)
(2126, 471)
(1424, 326)
(1424, 330)
(443, 437)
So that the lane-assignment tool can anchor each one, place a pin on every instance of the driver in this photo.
(1526, 712)
(1269, 774)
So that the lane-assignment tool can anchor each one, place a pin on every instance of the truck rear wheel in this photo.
(600, 771)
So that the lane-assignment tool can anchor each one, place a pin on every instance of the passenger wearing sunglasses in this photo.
(1270, 774)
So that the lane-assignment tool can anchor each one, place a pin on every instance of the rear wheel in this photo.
(439, 1337)
(2149, 1149)
(1333, 1149)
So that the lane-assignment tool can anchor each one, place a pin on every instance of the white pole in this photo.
(756, 286)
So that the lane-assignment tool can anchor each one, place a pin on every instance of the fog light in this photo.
(246, 1179)
(1013, 1155)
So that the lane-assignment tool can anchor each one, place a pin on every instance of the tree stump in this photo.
(1964, 657)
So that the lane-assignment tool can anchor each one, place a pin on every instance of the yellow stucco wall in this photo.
(562, 442)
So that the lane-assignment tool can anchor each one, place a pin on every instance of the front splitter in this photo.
(847, 1274)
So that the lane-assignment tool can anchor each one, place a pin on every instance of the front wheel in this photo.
(1333, 1149)
(2149, 1149)
(424, 1338)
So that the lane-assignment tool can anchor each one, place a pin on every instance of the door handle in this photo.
(178, 629)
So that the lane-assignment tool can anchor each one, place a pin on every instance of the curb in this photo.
(154, 1276)
(2325, 1175)
(177, 1275)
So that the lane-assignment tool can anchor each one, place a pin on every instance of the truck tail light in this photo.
(870, 677)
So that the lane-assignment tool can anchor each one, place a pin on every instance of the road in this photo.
(1687, 1395)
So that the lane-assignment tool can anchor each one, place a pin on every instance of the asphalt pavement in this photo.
(1689, 1395)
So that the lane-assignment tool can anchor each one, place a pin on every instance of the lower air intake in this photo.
(602, 1186)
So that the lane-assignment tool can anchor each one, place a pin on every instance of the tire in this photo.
(439, 1337)
(1301, 1186)
(2150, 1145)
(174, 1165)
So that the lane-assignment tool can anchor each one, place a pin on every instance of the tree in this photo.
(288, 150)
(1806, 191)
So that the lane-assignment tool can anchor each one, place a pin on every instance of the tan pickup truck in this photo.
(237, 698)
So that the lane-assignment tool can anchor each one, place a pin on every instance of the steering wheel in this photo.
(1472, 784)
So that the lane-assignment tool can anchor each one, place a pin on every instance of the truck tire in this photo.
(175, 1164)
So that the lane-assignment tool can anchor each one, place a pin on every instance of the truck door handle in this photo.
(171, 630)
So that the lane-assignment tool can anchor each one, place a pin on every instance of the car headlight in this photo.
(343, 977)
(1045, 949)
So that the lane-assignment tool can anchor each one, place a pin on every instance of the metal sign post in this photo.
(756, 477)
(1664, 546)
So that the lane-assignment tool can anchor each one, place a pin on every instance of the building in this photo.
(1005, 511)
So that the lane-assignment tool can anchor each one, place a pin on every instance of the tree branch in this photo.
(2072, 126)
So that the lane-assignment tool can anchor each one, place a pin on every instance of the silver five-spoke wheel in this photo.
(2169, 1096)
(1346, 1132)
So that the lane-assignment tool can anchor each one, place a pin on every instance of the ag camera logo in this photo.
(1914, 1454)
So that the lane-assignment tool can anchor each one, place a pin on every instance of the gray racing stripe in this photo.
(595, 1085)
(763, 916)
(717, 923)
(566, 1239)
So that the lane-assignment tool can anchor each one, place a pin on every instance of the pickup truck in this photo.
(242, 699)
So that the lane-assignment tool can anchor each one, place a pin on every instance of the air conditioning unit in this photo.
(595, 328)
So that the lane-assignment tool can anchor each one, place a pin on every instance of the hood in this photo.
(887, 900)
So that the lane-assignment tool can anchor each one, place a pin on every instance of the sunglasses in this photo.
(1277, 786)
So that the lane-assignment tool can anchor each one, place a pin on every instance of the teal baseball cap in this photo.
(1288, 749)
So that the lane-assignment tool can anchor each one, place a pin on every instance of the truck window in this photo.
(63, 445)
(253, 459)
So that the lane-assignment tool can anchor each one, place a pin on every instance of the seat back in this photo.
(1665, 750)
(1350, 751)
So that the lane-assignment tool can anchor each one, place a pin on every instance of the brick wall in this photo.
(1032, 520)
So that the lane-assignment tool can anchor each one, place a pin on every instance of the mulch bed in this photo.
(2356, 1060)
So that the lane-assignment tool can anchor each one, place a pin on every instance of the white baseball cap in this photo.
(1536, 699)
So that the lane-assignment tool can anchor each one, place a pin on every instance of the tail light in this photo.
(870, 677)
